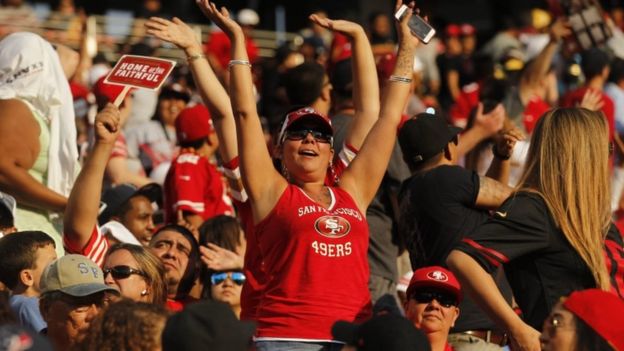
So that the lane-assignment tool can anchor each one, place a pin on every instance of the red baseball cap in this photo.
(193, 123)
(435, 277)
(468, 29)
(305, 113)
(602, 311)
(452, 30)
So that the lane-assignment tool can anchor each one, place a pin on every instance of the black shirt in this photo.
(540, 264)
(437, 210)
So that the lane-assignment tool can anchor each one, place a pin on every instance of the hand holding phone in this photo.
(418, 26)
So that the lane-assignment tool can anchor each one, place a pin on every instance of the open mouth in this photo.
(310, 153)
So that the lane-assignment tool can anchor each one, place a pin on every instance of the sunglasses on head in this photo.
(121, 272)
(300, 134)
(237, 277)
(444, 299)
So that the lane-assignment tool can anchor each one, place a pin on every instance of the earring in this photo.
(144, 292)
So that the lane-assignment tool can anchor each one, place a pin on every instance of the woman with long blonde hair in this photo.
(550, 234)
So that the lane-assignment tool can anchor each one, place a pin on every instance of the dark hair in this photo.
(593, 61)
(6, 312)
(223, 231)
(6, 218)
(190, 274)
(304, 83)
(588, 340)
(617, 70)
(18, 252)
(195, 144)
(126, 325)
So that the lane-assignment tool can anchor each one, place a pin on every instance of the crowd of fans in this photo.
(353, 192)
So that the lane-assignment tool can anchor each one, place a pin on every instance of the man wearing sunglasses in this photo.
(433, 296)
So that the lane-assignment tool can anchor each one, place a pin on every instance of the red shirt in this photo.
(193, 184)
(533, 111)
(253, 264)
(219, 45)
(317, 267)
(574, 98)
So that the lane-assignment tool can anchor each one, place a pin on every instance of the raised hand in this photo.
(505, 141)
(220, 17)
(175, 31)
(107, 125)
(492, 122)
(220, 259)
(592, 100)
(406, 39)
(347, 28)
(559, 29)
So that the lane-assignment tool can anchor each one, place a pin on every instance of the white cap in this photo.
(119, 232)
(248, 17)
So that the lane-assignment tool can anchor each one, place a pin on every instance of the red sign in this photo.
(140, 71)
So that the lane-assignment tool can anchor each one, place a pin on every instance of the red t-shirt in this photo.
(193, 184)
(533, 111)
(219, 45)
(317, 267)
(574, 98)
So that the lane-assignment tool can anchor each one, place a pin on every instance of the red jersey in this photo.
(219, 45)
(316, 264)
(253, 264)
(574, 98)
(193, 184)
(533, 111)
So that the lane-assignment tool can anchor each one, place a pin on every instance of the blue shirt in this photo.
(27, 311)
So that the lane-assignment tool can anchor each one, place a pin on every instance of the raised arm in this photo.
(262, 182)
(363, 177)
(213, 94)
(84, 200)
(365, 83)
(19, 147)
(485, 126)
(537, 71)
(504, 144)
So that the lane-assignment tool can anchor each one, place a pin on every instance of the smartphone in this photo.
(418, 26)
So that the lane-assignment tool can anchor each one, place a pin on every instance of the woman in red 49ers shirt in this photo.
(313, 238)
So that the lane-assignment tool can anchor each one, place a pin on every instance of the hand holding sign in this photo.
(140, 72)
(107, 126)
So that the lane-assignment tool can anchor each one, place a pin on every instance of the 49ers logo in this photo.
(332, 226)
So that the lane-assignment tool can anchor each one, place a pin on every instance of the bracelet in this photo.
(499, 156)
(192, 58)
(400, 79)
(239, 62)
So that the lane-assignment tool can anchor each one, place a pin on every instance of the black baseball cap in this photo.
(388, 332)
(117, 196)
(207, 325)
(424, 136)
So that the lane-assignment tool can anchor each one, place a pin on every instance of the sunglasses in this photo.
(237, 277)
(122, 272)
(300, 134)
(446, 300)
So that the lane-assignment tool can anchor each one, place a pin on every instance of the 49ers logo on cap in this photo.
(437, 275)
(332, 226)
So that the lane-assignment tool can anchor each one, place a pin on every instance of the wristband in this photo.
(499, 156)
(400, 79)
(192, 58)
(239, 62)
